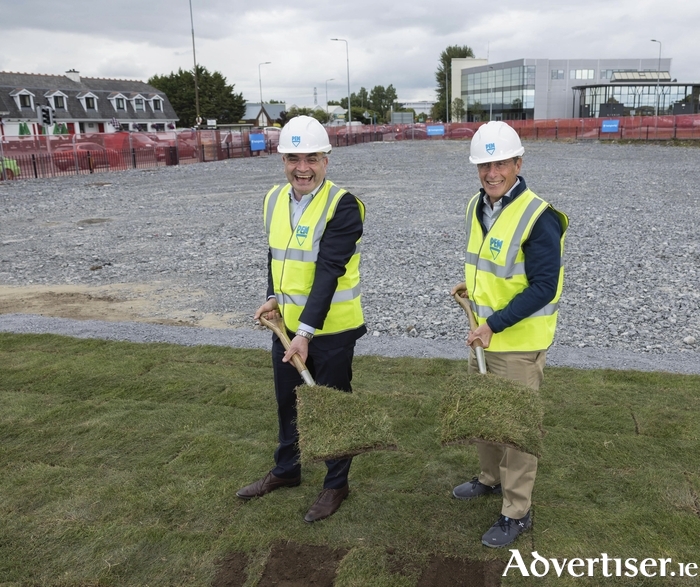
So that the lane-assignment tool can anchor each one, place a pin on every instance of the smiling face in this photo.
(305, 171)
(498, 177)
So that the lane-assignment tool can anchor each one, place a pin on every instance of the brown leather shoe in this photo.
(326, 504)
(268, 483)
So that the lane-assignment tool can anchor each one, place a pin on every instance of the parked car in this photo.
(461, 132)
(10, 167)
(272, 134)
(412, 133)
(231, 139)
(89, 156)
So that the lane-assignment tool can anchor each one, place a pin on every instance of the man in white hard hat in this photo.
(513, 278)
(314, 230)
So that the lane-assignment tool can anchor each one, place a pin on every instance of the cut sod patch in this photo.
(333, 424)
(491, 409)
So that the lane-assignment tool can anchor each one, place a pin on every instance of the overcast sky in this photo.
(389, 42)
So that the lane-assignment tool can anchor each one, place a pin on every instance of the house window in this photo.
(156, 105)
(138, 104)
(557, 74)
(89, 103)
(59, 103)
(25, 101)
(120, 103)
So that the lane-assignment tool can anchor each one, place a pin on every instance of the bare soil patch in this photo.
(298, 565)
(127, 302)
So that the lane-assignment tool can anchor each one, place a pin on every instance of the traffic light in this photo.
(47, 115)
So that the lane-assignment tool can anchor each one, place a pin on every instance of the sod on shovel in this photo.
(490, 409)
(334, 424)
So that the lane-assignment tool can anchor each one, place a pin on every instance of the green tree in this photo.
(217, 99)
(458, 110)
(443, 83)
(319, 115)
(382, 99)
(478, 111)
(361, 99)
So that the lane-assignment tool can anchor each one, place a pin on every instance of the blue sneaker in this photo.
(506, 530)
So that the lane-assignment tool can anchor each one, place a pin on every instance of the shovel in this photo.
(476, 345)
(333, 424)
(277, 326)
(490, 409)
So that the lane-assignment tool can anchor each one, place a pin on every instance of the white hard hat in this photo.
(304, 134)
(495, 141)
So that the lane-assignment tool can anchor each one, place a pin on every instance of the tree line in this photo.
(219, 100)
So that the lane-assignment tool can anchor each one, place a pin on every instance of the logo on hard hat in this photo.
(490, 148)
(296, 140)
(302, 233)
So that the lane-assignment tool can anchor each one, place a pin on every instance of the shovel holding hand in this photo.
(476, 345)
(277, 326)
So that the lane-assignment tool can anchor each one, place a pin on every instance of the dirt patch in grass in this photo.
(122, 302)
(298, 565)
(231, 571)
(457, 572)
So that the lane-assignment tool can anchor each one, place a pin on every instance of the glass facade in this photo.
(638, 99)
(509, 93)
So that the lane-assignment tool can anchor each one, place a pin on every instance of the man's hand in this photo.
(269, 306)
(483, 333)
(299, 346)
(461, 289)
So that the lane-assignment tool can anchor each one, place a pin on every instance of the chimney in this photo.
(73, 75)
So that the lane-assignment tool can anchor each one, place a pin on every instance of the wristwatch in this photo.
(307, 335)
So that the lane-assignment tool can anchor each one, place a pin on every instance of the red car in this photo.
(461, 132)
(84, 156)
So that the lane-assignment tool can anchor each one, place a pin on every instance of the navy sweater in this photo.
(542, 262)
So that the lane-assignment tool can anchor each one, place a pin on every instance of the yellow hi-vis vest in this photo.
(495, 272)
(294, 254)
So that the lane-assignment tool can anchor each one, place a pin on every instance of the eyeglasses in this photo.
(312, 159)
(497, 165)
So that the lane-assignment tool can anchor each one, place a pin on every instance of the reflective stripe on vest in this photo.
(495, 271)
(295, 251)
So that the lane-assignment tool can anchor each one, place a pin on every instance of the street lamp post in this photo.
(490, 95)
(196, 84)
(328, 80)
(347, 55)
(447, 99)
(658, 77)
(260, 79)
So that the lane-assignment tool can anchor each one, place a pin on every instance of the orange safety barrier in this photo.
(55, 155)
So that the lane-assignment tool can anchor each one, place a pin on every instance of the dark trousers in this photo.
(329, 367)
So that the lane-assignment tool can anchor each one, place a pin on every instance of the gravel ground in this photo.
(194, 235)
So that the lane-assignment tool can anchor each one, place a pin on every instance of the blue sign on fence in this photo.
(434, 131)
(257, 142)
(610, 126)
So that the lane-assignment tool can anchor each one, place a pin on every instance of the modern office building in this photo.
(527, 89)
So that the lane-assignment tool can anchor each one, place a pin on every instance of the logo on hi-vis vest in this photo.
(495, 247)
(296, 140)
(302, 233)
(490, 148)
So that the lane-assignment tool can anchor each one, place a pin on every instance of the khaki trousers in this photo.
(513, 469)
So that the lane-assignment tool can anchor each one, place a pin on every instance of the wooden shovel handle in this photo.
(277, 326)
(477, 344)
(464, 302)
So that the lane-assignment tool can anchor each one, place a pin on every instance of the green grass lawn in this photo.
(119, 464)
